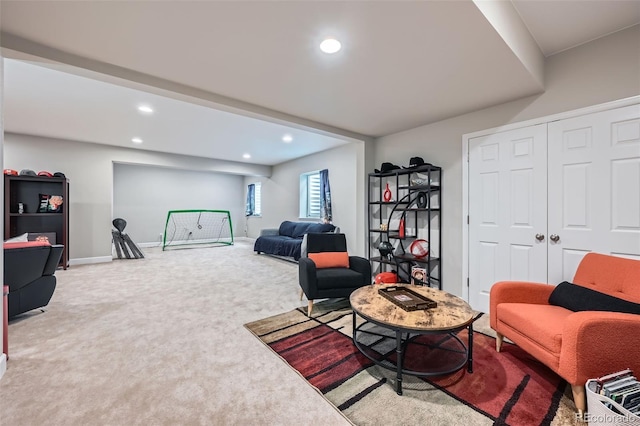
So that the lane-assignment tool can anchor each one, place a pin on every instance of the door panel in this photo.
(594, 188)
(507, 208)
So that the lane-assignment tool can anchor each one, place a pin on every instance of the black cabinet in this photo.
(23, 212)
(404, 206)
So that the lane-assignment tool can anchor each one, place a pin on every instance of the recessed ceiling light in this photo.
(136, 140)
(246, 156)
(330, 45)
(146, 109)
(287, 138)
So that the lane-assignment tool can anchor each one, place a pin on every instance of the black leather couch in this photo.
(29, 272)
(287, 240)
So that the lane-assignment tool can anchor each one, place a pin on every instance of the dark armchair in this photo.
(29, 272)
(328, 271)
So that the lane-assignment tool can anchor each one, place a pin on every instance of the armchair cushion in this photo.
(578, 298)
(330, 259)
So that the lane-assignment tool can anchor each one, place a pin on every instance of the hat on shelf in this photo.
(59, 174)
(27, 172)
(45, 173)
(387, 167)
(10, 172)
(416, 162)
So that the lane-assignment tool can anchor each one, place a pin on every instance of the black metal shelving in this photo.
(420, 222)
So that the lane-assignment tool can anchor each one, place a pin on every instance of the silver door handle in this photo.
(539, 237)
(555, 238)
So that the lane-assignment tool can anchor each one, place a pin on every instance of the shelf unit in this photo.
(27, 190)
(420, 222)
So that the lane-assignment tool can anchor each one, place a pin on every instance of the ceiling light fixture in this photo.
(247, 156)
(330, 45)
(136, 140)
(145, 109)
(287, 138)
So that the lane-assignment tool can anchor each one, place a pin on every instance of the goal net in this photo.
(189, 227)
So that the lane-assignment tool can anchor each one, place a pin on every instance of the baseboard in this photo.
(90, 260)
(152, 244)
(3, 365)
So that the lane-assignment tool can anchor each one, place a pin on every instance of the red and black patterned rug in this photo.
(509, 387)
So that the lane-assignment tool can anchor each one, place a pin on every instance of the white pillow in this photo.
(18, 239)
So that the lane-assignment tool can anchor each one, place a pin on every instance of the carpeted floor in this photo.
(159, 341)
(507, 388)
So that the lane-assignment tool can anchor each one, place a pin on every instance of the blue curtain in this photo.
(251, 200)
(325, 197)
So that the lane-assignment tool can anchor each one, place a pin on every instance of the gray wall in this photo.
(601, 71)
(142, 195)
(280, 192)
(89, 168)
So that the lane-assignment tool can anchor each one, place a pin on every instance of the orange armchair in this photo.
(576, 345)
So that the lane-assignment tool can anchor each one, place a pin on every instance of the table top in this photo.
(450, 314)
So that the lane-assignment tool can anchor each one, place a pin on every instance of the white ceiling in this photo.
(403, 64)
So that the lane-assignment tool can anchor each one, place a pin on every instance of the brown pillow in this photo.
(330, 259)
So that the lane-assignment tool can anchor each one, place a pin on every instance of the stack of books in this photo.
(623, 388)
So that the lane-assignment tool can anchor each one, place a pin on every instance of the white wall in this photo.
(601, 71)
(89, 168)
(280, 192)
(142, 195)
(3, 359)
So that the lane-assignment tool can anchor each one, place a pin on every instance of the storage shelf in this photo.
(406, 258)
(419, 222)
(28, 190)
(35, 214)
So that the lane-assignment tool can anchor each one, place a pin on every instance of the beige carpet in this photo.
(160, 341)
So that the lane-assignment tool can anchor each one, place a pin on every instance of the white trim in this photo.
(465, 163)
(3, 364)
(90, 260)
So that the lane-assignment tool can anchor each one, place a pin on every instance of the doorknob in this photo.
(555, 238)
(539, 237)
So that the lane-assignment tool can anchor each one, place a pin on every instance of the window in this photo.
(254, 200)
(310, 195)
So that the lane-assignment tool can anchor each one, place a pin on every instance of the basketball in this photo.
(386, 278)
(419, 248)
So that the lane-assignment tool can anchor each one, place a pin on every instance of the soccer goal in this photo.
(189, 227)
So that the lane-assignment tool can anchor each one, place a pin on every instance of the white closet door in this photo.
(594, 188)
(507, 209)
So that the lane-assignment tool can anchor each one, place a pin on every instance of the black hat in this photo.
(59, 174)
(416, 162)
(387, 167)
(27, 172)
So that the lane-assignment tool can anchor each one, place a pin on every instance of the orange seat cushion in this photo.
(540, 323)
(330, 259)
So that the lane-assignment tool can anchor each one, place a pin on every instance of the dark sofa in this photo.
(29, 272)
(287, 240)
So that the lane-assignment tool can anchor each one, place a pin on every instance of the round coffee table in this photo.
(385, 321)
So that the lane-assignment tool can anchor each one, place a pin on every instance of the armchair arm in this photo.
(54, 258)
(268, 231)
(361, 265)
(517, 292)
(307, 277)
(595, 343)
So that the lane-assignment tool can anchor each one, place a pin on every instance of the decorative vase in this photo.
(401, 228)
(386, 195)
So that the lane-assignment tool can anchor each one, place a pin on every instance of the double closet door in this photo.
(543, 196)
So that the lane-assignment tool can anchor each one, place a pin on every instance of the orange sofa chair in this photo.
(576, 345)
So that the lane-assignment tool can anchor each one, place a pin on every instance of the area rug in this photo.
(506, 388)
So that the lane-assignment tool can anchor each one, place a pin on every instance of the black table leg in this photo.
(470, 361)
(399, 354)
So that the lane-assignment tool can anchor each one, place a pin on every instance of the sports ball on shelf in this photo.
(386, 278)
(419, 248)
